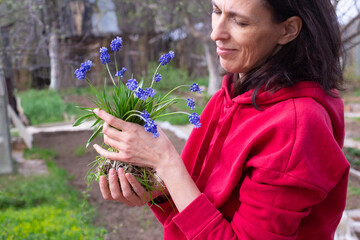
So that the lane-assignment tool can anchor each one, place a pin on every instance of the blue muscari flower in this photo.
(116, 44)
(132, 84)
(141, 93)
(150, 92)
(121, 73)
(191, 103)
(165, 59)
(145, 115)
(150, 126)
(104, 55)
(157, 77)
(195, 88)
(194, 118)
(80, 74)
(86, 66)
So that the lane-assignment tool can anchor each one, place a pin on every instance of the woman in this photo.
(267, 161)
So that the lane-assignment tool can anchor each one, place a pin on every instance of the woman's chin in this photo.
(229, 66)
(231, 69)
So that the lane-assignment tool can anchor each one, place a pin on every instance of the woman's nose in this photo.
(219, 28)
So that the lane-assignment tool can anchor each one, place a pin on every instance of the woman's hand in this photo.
(134, 145)
(140, 148)
(124, 187)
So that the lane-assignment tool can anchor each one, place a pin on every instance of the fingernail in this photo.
(96, 110)
(121, 171)
(112, 171)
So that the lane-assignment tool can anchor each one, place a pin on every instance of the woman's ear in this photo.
(291, 29)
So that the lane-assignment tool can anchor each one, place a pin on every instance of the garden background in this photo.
(42, 43)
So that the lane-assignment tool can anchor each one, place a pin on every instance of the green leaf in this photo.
(94, 90)
(95, 102)
(96, 122)
(94, 135)
(82, 119)
(86, 109)
(162, 108)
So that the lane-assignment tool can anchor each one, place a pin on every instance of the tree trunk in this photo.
(8, 71)
(214, 72)
(143, 47)
(54, 61)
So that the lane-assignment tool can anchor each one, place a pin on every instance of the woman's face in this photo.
(245, 33)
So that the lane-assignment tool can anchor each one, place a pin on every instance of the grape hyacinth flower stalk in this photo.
(134, 103)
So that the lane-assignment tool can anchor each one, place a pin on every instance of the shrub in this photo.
(40, 153)
(172, 77)
(42, 106)
(353, 156)
(45, 222)
(44, 207)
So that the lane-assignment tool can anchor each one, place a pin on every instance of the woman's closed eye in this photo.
(216, 11)
(240, 23)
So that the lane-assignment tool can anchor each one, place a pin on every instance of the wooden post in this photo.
(6, 161)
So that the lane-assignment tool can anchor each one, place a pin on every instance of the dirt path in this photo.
(121, 221)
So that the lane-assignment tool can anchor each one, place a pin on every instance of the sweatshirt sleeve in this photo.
(257, 216)
(163, 211)
(274, 201)
(267, 210)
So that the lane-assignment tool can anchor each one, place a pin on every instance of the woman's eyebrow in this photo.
(230, 12)
(213, 3)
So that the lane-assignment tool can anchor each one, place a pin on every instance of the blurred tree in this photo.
(34, 33)
(50, 11)
(349, 17)
(176, 19)
(34, 30)
(196, 15)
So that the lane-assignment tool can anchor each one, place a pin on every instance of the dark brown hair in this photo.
(313, 56)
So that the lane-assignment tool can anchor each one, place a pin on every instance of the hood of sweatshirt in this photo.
(307, 89)
(218, 118)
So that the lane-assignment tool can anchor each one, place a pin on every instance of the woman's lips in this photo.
(224, 51)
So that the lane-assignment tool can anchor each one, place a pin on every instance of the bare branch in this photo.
(335, 3)
(190, 26)
(353, 21)
(33, 15)
(347, 38)
(351, 46)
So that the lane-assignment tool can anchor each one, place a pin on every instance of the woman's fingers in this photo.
(124, 187)
(110, 155)
(105, 192)
(111, 120)
(114, 186)
(138, 189)
(112, 132)
(115, 191)
(127, 192)
(113, 143)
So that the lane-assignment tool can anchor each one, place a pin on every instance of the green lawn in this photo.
(44, 207)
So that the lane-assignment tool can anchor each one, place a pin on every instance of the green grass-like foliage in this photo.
(125, 104)
(40, 153)
(45, 222)
(353, 156)
(44, 207)
(42, 106)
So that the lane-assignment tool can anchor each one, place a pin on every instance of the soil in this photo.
(121, 221)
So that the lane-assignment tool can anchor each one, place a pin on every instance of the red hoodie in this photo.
(277, 174)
